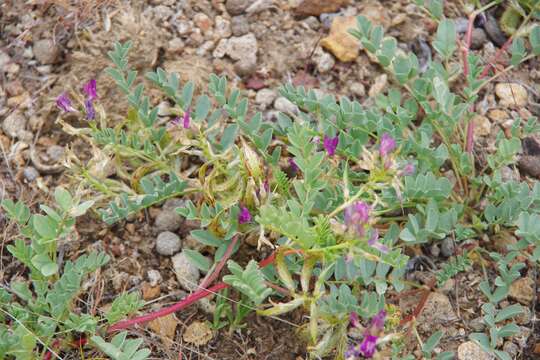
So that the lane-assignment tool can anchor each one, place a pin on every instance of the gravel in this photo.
(168, 243)
(188, 275)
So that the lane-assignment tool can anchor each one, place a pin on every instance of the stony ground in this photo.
(49, 46)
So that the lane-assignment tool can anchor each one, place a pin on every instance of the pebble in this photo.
(522, 290)
(478, 38)
(502, 240)
(239, 25)
(265, 97)
(525, 317)
(477, 324)
(318, 7)
(511, 94)
(437, 311)
(498, 115)
(56, 152)
(221, 49)
(378, 86)
(435, 250)
(244, 50)
(168, 220)
(188, 275)
(509, 174)
(14, 125)
(494, 32)
(339, 42)
(461, 25)
(358, 89)
(471, 351)
(4, 59)
(154, 277)
(237, 7)
(168, 243)
(30, 173)
(447, 247)
(325, 62)
(222, 28)
(46, 51)
(176, 45)
(511, 348)
(183, 27)
(285, 106)
(173, 204)
(203, 22)
(482, 125)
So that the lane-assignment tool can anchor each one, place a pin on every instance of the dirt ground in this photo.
(49, 46)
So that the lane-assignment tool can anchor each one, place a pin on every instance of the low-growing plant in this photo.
(339, 190)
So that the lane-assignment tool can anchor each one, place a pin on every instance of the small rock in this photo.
(434, 250)
(165, 327)
(358, 89)
(375, 12)
(482, 125)
(167, 220)
(509, 174)
(239, 25)
(198, 333)
(168, 243)
(188, 275)
(221, 49)
(207, 306)
(502, 241)
(203, 22)
(478, 38)
(525, 317)
(183, 27)
(285, 106)
(494, 32)
(237, 7)
(150, 292)
(258, 6)
(56, 152)
(222, 28)
(14, 124)
(339, 42)
(30, 173)
(173, 204)
(497, 115)
(46, 51)
(448, 286)
(378, 86)
(312, 22)
(447, 247)
(5, 59)
(522, 290)
(204, 48)
(176, 46)
(325, 62)
(511, 348)
(318, 7)
(265, 97)
(511, 94)
(437, 311)
(471, 351)
(477, 324)
(154, 277)
(461, 25)
(243, 49)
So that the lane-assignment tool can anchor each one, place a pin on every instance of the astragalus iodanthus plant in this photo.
(341, 192)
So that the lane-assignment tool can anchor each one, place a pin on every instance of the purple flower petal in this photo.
(354, 320)
(90, 89)
(293, 165)
(368, 346)
(378, 320)
(175, 121)
(357, 213)
(186, 118)
(244, 215)
(408, 169)
(374, 242)
(90, 111)
(64, 103)
(388, 144)
(330, 144)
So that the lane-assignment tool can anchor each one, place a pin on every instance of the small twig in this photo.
(418, 310)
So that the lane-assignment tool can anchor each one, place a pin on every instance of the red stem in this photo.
(468, 39)
(124, 324)
(490, 65)
(212, 276)
(48, 354)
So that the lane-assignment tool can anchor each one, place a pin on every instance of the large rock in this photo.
(318, 7)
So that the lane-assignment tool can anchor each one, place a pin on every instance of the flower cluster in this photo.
(357, 219)
(367, 347)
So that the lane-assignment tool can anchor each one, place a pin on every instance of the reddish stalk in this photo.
(418, 310)
(124, 324)
(48, 354)
(499, 52)
(210, 277)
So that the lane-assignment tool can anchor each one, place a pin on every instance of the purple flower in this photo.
(293, 165)
(90, 111)
(357, 215)
(378, 320)
(186, 119)
(354, 320)
(90, 89)
(374, 242)
(388, 144)
(368, 346)
(330, 144)
(244, 215)
(175, 121)
(64, 103)
(408, 169)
